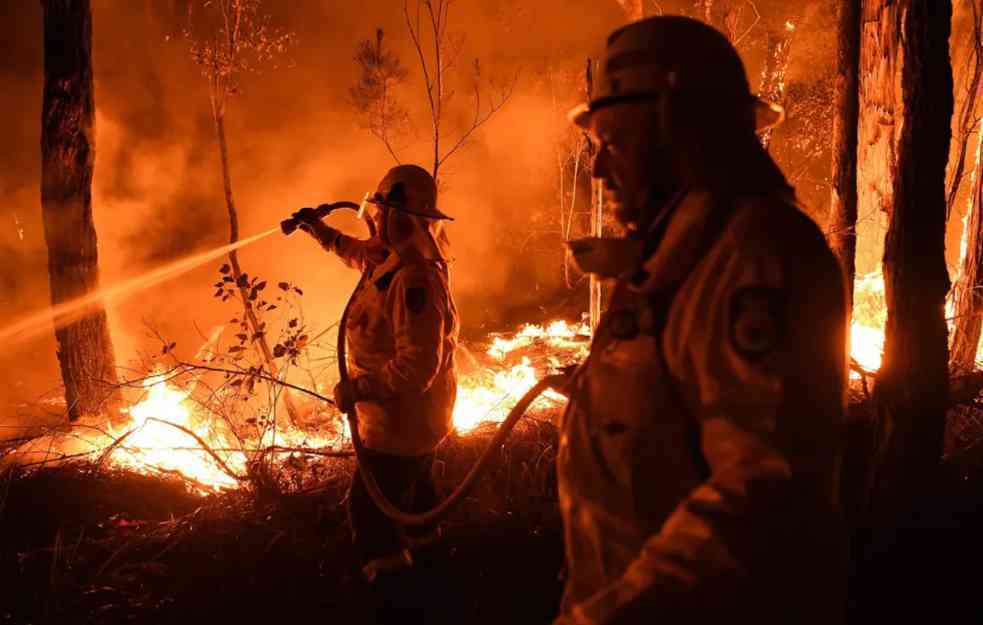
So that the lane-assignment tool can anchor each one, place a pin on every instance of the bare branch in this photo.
(479, 119)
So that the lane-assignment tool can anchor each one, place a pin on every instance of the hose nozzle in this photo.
(288, 226)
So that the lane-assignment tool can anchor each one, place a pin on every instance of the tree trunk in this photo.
(85, 349)
(595, 295)
(597, 230)
(843, 207)
(967, 121)
(906, 112)
(968, 294)
(258, 329)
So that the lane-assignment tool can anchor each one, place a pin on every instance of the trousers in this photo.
(408, 484)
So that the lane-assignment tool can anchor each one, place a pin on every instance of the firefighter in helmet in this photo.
(698, 457)
(402, 334)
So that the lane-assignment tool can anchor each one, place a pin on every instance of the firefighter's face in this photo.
(392, 226)
(627, 158)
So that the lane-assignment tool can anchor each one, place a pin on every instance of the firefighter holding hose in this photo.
(402, 333)
(698, 457)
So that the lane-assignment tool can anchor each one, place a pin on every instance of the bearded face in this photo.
(631, 161)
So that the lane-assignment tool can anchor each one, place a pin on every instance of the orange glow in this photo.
(154, 443)
(869, 317)
(167, 432)
(488, 395)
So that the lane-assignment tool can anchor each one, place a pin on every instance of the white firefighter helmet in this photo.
(410, 189)
(672, 53)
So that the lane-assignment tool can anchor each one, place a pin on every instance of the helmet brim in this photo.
(767, 115)
(432, 213)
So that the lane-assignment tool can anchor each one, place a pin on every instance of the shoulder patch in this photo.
(757, 321)
(416, 299)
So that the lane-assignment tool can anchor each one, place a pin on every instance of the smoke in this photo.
(294, 141)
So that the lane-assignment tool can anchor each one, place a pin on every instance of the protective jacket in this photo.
(402, 334)
(699, 452)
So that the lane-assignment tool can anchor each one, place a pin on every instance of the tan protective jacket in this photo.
(699, 453)
(402, 335)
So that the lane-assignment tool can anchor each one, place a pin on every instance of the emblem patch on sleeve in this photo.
(416, 299)
(757, 321)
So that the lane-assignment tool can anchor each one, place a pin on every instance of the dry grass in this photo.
(89, 544)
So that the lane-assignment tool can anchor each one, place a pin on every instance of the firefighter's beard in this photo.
(638, 208)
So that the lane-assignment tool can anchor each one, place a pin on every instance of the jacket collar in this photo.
(674, 239)
(679, 241)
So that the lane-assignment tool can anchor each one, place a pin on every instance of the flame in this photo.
(488, 395)
(152, 442)
(869, 317)
(168, 433)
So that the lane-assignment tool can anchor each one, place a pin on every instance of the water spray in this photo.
(60, 315)
(65, 313)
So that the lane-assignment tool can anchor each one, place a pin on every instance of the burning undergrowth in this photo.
(203, 481)
(239, 413)
(101, 544)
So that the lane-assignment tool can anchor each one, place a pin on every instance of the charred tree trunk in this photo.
(843, 207)
(907, 105)
(968, 295)
(85, 350)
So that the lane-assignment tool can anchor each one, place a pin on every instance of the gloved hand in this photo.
(345, 396)
(307, 218)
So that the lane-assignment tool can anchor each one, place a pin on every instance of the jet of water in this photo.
(67, 312)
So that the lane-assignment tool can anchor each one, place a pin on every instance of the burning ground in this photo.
(142, 519)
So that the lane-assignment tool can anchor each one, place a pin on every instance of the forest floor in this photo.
(83, 544)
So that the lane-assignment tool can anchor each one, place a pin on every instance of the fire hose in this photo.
(371, 485)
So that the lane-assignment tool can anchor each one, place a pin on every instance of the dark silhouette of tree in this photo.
(843, 206)
(85, 349)
(906, 109)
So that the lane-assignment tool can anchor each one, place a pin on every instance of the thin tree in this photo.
(375, 96)
(905, 68)
(968, 291)
(843, 205)
(968, 119)
(967, 294)
(571, 148)
(438, 51)
(233, 37)
(85, 349)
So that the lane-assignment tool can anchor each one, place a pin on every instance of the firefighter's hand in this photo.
(307, 216)
(309, 221)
